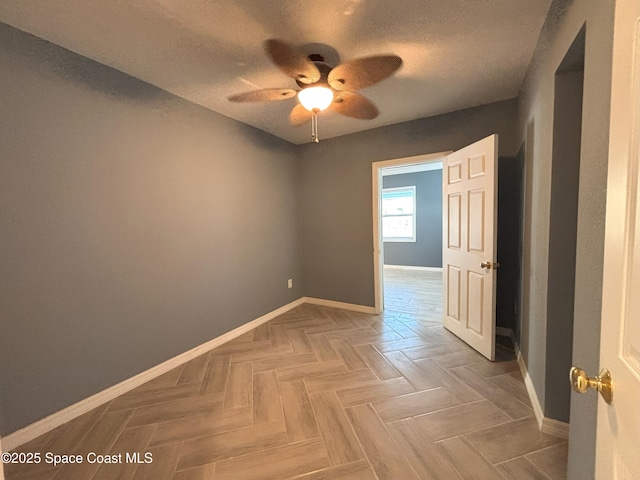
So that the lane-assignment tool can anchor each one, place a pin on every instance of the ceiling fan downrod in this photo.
(314, 125)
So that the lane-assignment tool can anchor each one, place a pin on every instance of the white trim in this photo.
(416, 159)
(408, 267)
(555, 428)
(378, 244)
(47, 424)
(415, 168)
(545, 424)
(376, 183)
(344, 306)
(533, 397)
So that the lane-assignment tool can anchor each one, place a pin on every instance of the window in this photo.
(399, 214)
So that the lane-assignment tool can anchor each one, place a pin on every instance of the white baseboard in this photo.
(555, 428)
(546, 425)
(344, 306)
(533, 397)
(404, 267)
(28, 433)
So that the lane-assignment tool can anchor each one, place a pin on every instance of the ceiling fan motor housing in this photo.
(324, 68)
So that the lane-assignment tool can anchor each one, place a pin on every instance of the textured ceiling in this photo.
(457, 53)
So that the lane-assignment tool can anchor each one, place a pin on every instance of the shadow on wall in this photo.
(510, 194)
(49, 60)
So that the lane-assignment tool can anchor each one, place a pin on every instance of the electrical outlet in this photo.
(290, 283)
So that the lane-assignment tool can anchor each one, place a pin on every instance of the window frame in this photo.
(412, 239)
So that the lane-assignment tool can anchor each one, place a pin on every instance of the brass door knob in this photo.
(489, 265)
(580, 383)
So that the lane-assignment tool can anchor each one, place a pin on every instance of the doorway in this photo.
(489, 309)
(400, 205)
(563, 224)
(411, 220)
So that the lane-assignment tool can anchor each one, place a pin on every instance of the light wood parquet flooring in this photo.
(320, 393)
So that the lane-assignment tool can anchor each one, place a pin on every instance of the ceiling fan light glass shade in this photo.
(315, 98)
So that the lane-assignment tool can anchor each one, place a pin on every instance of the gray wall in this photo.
(135, 226)
(536, 109)
(426, 251)
(336, 198)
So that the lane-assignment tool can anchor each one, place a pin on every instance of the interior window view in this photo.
(399, 214)
(301, 240)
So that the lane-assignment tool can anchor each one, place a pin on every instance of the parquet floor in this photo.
(320, 393)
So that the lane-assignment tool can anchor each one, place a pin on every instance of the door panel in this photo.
(454, 172)
(453, 287)
(477, 166)
(470, 204)
(618, 432)
(476, 221)
(475, 294)
(454, 221)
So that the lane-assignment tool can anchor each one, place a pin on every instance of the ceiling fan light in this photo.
(315, 98)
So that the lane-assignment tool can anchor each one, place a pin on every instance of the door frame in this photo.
(376, 188)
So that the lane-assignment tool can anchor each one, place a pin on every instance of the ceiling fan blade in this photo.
(292, 62)
(265, 95)
(299, 115)
(363, 72)
(354, 105)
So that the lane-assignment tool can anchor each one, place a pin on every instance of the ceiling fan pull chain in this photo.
(314, 126)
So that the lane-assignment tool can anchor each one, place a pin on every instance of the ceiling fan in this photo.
(323, 86)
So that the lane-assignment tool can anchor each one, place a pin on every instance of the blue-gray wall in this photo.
(135, 226)
(426, 251)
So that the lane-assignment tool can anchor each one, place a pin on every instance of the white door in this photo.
(618, 433)
(469, 244)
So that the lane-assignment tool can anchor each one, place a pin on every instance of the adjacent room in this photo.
(411, 222)
(352, 239)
